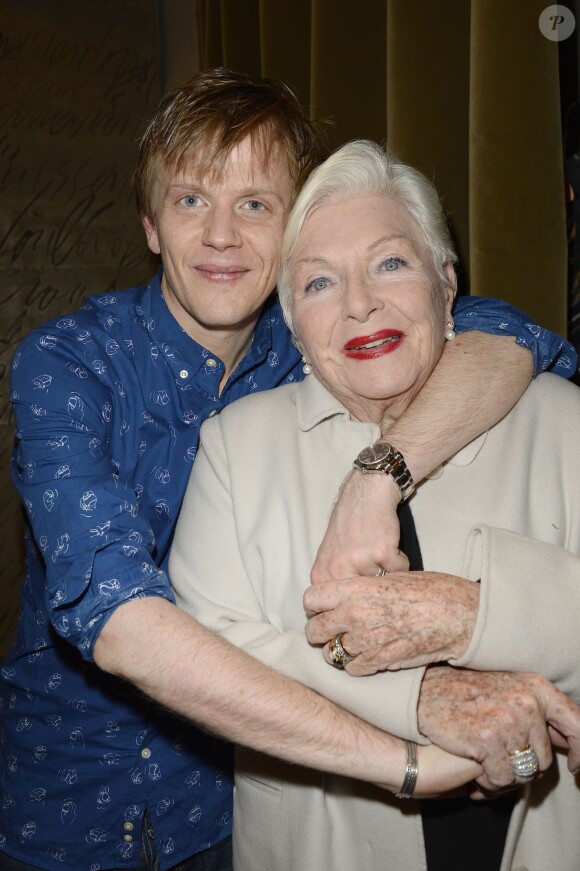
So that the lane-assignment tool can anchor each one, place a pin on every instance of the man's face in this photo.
(219, 241)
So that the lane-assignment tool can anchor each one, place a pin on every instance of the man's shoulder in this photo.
(93, 340)
(100, 316)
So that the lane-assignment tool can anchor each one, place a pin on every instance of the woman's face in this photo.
(369, 309)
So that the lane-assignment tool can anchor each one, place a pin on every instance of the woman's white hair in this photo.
(357, 169)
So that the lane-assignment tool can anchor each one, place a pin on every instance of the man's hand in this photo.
(485, 716)
(403, 620)
(363, 532)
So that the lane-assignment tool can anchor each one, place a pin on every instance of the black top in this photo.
(459, 833)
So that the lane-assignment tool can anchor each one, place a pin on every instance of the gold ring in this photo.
(339, 657)
(525, 762)
(346, 650)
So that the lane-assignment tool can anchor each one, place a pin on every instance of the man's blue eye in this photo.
(317, 284)
(391, 264)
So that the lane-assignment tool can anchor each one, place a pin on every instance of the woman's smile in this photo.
(375, 345)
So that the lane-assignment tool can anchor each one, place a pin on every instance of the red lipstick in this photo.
(375, 345)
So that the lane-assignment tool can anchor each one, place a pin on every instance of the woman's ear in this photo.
(450, 287)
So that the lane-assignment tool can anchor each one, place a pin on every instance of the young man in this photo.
(108, 403)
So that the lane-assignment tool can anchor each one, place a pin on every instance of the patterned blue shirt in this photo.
(108, 404)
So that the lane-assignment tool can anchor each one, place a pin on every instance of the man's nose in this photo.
(221, 231)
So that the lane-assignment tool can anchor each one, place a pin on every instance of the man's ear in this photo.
(151, 234)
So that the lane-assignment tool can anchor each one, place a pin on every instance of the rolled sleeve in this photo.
(551, 352)
(521, 623)
(96, 547)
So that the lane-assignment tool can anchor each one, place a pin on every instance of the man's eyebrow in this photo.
(196, 184)
(260, 192)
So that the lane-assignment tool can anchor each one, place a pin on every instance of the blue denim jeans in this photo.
(218, 858)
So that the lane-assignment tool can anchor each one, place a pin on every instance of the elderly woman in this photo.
(368, 284)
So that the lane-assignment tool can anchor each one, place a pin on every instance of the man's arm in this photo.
(96, 545)
(477, 381)
(172, 658)
(252, 605)
(479, 378)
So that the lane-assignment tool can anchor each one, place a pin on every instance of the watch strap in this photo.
(392, 464)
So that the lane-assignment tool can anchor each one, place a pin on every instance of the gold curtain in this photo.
(468, 92)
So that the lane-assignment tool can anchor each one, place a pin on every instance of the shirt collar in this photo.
(464, 457)
(179, 348)
(314, 404)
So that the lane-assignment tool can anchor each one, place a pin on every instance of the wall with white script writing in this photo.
(79, 79)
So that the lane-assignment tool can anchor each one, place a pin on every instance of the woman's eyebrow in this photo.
(320, 260)
(389, 237)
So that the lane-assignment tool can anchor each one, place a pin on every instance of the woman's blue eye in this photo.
(255, 205)
(391, 264)
(190, 200)
(317, 284)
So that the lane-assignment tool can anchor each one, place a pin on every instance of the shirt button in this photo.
(214, 411)
(210, 363)
(184, 373)
(127, 838)
(146, 753)
(128, 826)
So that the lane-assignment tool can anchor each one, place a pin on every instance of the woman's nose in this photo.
(220, 230)
(360, 299)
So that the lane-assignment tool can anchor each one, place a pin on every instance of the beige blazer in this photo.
(506, 509)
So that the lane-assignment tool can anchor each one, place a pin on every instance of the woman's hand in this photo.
(402, 620)
(488, 715)
(363, 532)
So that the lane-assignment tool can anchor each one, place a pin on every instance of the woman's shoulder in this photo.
(549, 408)
(266, 406)
(553, 391)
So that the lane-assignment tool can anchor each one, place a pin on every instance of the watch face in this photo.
(374, 454)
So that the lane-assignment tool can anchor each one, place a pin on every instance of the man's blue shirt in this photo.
(108, 403)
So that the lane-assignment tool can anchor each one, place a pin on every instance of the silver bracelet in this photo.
(411, 772)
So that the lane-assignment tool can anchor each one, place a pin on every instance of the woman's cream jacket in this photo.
(505, 509)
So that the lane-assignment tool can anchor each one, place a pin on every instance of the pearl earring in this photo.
(450, 330)
(307, 368)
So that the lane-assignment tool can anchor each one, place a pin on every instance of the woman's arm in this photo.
(211, 581)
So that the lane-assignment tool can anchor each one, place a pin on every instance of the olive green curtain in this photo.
(468, 92)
